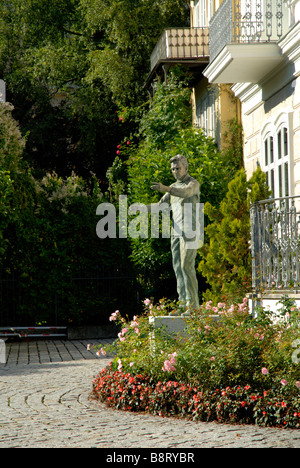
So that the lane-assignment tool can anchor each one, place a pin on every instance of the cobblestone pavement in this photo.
(44, 403)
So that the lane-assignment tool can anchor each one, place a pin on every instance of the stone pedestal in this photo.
(173, 326)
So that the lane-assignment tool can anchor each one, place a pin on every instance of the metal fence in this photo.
(247, 21)
(89, 298)
(275, 245)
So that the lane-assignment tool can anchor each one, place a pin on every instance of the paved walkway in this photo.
(44, 403)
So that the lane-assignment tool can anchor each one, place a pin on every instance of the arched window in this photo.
(269, 165)
(283, 162)
(276, 157)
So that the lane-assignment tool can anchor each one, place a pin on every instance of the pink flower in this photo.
(122, 334)
(120, 364)
(137, 331)
(283, 382)
(98, 353)
(264, 371)
(118, 152)
(168, 367)
(88, 347)
(134, 323)
(173, 358)
(147, 302)
(114, 316)
(103, 352)
(298, 384)
(128, 143)
(212, 358)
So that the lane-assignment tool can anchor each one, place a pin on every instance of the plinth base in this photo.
(175, 326)
(172, 325)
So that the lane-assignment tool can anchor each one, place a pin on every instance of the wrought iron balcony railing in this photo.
(178, 44)
(247, 21)
(275, 246)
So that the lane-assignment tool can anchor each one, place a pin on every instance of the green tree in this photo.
(127, 32)
(165, 131)
(225, 259)
(15, 180)
(69, 65)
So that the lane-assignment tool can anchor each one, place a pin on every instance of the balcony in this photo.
(181, 45)
(275, 246)
(244, 37)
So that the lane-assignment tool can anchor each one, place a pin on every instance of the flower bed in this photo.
(237, 370)
(230, 405)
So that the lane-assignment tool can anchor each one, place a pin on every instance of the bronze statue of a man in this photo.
(183, 197)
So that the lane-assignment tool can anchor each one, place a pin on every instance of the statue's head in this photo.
(179, 166)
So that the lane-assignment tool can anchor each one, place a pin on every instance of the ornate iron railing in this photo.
(275, 247)
(181, 44)
(247, 21)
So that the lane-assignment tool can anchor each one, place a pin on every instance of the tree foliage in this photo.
(165, 131)
(69, 65)
(49, 250)
(225, 259)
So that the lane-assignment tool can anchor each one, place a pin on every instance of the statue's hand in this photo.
(159, 187)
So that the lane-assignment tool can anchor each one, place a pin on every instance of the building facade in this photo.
(255, 45)
(258, 50)
(214, 106)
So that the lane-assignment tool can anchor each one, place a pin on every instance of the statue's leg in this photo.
(177, 265)
(188, 257)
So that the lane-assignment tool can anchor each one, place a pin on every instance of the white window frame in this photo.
(203, 11)
(206, 113)
(276, 155)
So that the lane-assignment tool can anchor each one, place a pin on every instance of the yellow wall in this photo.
(227, 108)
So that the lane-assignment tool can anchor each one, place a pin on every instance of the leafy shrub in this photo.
(236, 368)
(225, 257)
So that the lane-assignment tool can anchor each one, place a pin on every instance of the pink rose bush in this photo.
(228, 367)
